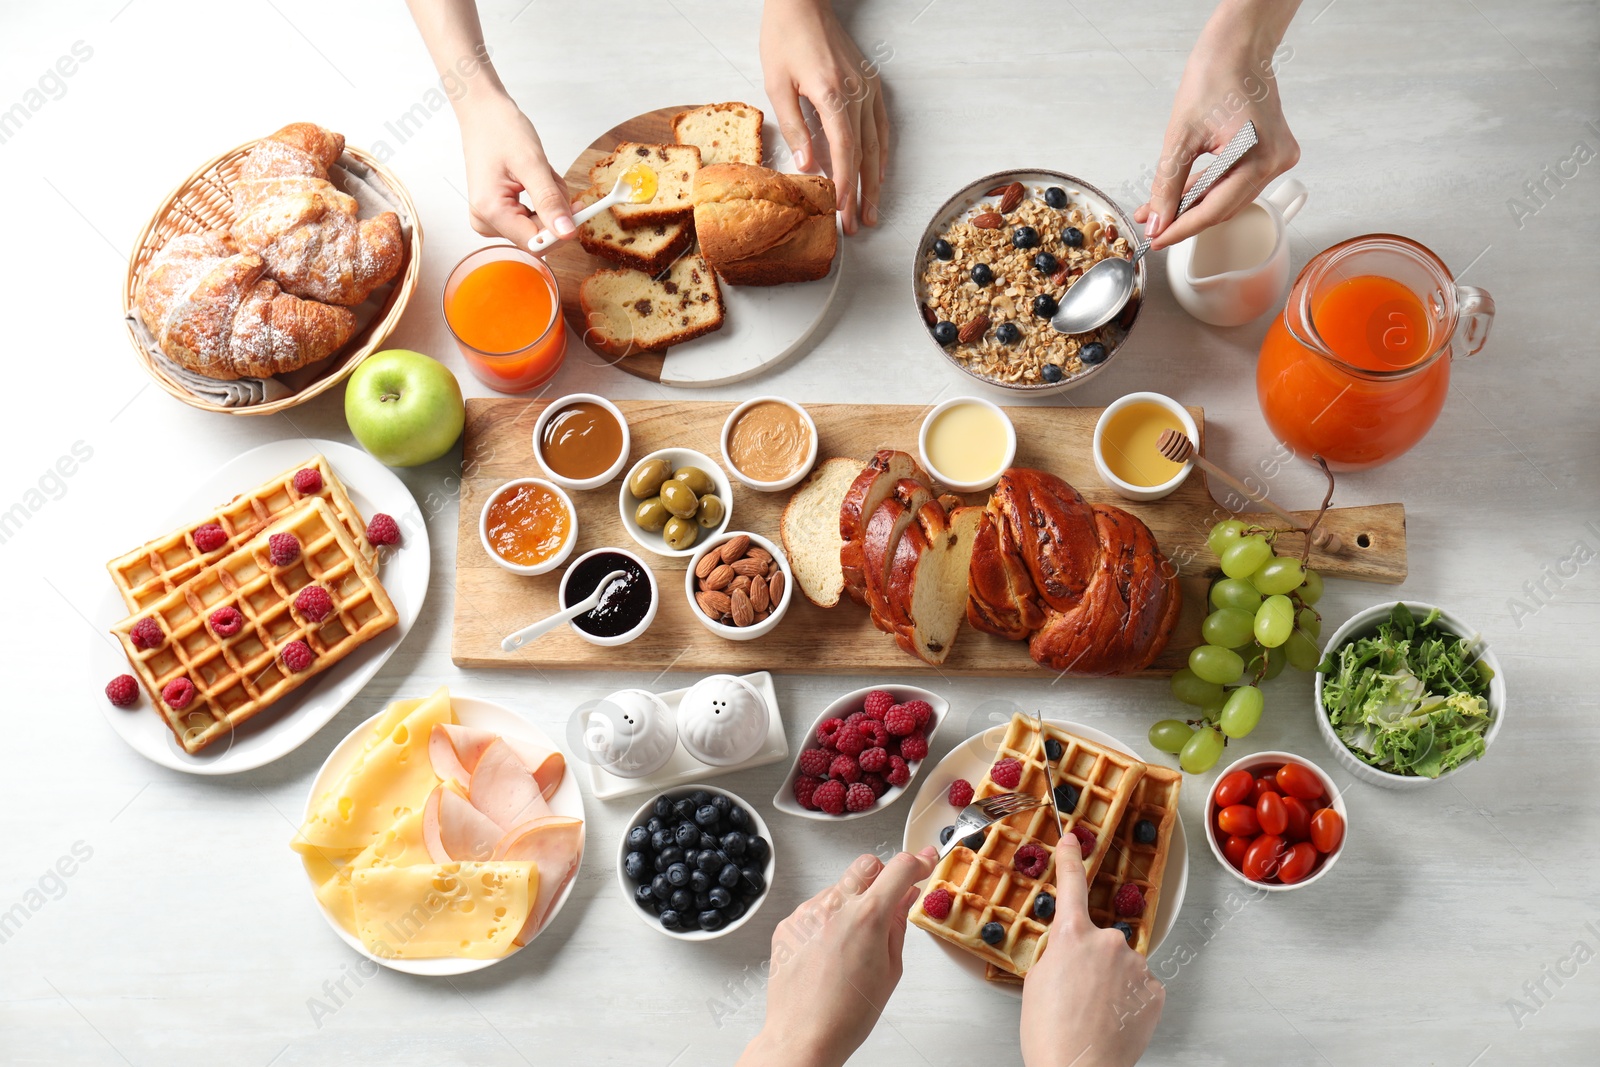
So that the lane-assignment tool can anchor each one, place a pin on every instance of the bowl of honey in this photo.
(1125, 452)
(528, 526)
(581, 441)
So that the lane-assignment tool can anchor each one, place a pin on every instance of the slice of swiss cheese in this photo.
(401, 845)
(389, 779)
(468, 910)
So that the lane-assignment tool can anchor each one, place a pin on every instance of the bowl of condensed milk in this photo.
(769, 443)
(967, 443)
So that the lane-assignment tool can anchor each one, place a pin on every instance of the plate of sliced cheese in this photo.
(442, 835)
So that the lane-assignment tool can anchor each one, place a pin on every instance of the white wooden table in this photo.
(187, 935)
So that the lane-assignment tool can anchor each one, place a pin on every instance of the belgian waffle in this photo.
(156, 568)
(239, 676)
(1155, 798)
(985, 884)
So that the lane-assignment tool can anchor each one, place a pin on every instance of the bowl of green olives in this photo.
(674, 499)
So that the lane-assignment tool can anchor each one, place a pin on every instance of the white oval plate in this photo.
(292, 722)
(931, 812)
(485, 715)
(785, 802)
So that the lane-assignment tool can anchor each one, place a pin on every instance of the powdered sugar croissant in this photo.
(213, 310)
(308, 232)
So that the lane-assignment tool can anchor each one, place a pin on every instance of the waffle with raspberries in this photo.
(995, 887)
(158, 567)
(1136, 859)
(255, 625)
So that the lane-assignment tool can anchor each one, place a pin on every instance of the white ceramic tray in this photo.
(297, 717)
(683, 768)
(485, 715)
(931, 812)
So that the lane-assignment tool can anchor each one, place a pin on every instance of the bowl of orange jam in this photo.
(528, 526)
(581, 441)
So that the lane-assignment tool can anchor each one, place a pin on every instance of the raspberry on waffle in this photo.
(158, 567)
(238, 676)
(985, 884)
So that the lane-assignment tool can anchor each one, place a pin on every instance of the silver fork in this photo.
(980, 813)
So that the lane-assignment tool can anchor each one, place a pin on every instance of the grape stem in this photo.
(1328, 541)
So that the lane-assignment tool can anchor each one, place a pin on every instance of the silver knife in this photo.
(1050, 774)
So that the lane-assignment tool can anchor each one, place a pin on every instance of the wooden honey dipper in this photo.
(1176, 446)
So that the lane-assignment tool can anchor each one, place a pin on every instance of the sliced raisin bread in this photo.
(810, 530)
(724, 133)
(675, 166)
(934, 590)
(872, 487)
(629, 311)
(650, 248)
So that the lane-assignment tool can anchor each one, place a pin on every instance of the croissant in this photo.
(213, 310)
(308, 232)
(1084, 584)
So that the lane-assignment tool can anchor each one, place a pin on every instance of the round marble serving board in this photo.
(765, 325)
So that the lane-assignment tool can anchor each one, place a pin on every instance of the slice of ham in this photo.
(555, 844)
(454, 831)
(455, 751)
(503, 787)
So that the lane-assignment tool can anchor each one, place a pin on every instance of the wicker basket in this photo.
(204, 201)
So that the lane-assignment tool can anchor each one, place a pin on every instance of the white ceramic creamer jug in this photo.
(1238, 270)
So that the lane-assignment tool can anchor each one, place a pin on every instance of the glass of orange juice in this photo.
(503, 307)
(1357, 367)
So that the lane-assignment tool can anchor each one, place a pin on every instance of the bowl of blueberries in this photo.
(993, 264)
(696, 861)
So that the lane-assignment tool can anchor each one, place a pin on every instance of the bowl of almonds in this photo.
(991, 269)
(739, 585)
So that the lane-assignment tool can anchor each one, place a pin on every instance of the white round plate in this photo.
(764, 325)
(484, 715)
(288, 725)
(931, 812)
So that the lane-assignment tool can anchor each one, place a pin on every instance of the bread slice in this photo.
(741, 211)
(810, 530)
(934, 591)
(724, 133)
(649, 248)
(629, 311)
(891, 527)
(675, 166)
(872, 487)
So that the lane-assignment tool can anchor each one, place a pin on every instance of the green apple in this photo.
(404, 408)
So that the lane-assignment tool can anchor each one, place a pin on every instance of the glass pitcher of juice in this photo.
(1357, 367)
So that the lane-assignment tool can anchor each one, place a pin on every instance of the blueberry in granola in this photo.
(1072, 237)
(945, 333)
(942, 249)
(1007, 333)
(1092, 353)
(982, 275)
(1050, 373)
(1025, 237)
(1056, 197)
(1045, 263)
(1044, 306)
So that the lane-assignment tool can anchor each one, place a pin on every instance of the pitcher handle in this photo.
(1474, 316)
(1289, 197)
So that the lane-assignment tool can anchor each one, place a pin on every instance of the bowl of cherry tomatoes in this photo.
(1276, 821)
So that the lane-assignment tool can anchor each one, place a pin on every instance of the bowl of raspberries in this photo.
(862, 753)
(697, 862)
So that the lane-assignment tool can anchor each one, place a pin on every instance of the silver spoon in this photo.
(1103, 291)
(545, 625)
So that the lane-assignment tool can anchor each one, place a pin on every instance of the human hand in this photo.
(1231, 78)
(1090, 1000)
(806, 52)
(504, 157)
(835, 962)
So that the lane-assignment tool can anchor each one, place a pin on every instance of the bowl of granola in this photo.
(992, 265)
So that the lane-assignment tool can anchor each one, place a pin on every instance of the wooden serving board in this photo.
(765, 325)
(492, 602)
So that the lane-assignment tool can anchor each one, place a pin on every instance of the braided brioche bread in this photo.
(1084, 584)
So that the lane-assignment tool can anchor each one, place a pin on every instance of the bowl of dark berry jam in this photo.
(629, 605)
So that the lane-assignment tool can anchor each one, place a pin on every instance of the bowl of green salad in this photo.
(1407, 694)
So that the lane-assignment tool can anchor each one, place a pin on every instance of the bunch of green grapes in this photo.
(1261, 619)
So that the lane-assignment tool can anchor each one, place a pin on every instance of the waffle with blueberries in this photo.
(1126, 892)
(991, 893)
